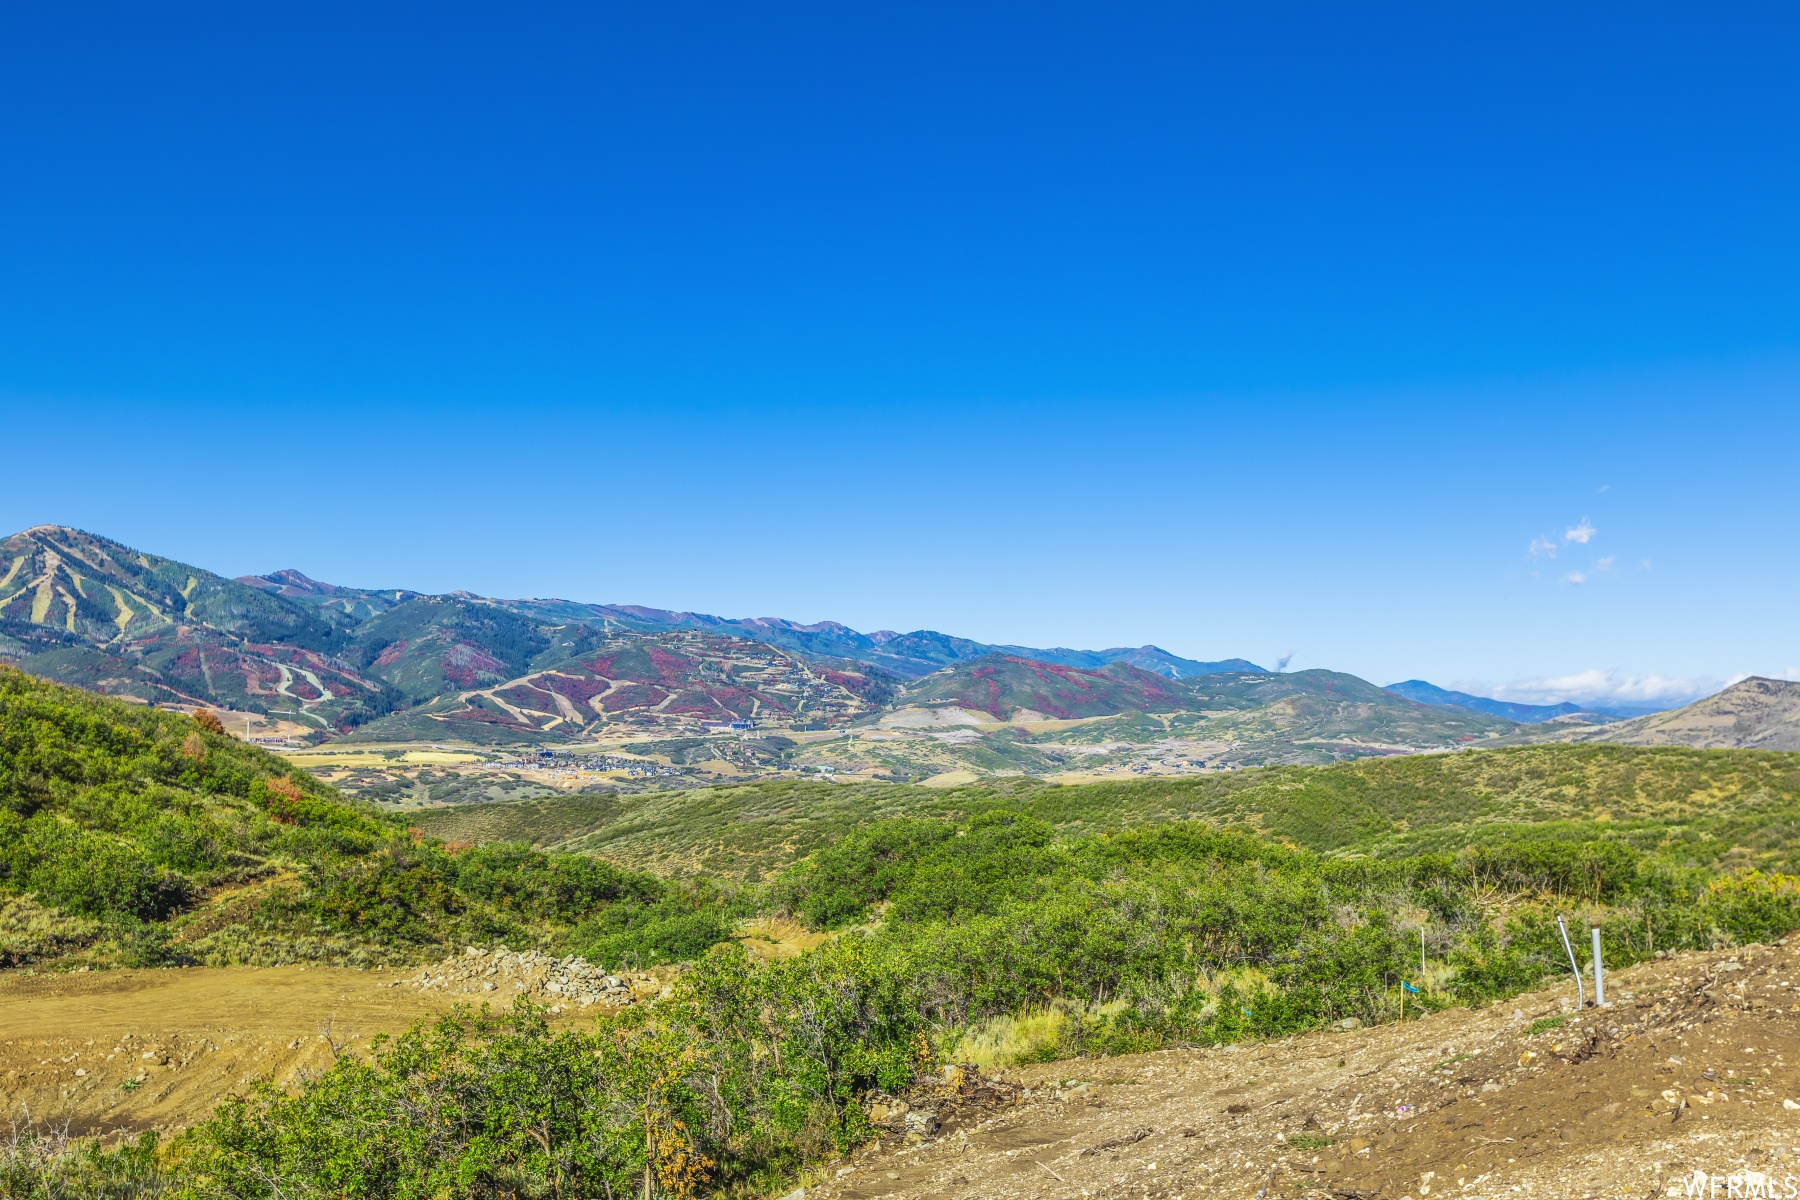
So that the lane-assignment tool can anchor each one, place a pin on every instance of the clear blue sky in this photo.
(1242, 330)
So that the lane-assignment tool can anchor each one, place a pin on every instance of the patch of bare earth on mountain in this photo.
(1688, 1070)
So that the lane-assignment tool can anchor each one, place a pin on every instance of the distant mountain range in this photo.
(908, 655)
(396, 664)
(86, 610)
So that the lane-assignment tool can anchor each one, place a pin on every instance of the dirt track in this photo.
(1583, 1115)
(138, 1049)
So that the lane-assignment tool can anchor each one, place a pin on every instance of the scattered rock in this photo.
(559, 982)
(1130, 1139)
(923, 1122)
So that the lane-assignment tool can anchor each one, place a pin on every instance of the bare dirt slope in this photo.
(1688, 1070)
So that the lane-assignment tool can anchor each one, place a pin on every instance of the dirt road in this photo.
(1687, 1071)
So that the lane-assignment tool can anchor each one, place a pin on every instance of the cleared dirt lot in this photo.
(139, 1049)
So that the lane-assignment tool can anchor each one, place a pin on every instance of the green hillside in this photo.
(951, 931)
(100, 590)
(1003, 684)
(1320, 716)
(130, 836)
(89, 612)
(583, 683)
(337, 604)
(433, 644)
(1709, 808)
(1134, 721)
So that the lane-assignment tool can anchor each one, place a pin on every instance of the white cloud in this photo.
(1583, 533)
(1575, 577)
(1791, 673)
(1595, 686)
(1541, 548)
(1606, 564)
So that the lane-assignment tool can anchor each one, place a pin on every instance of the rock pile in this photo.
(933, 1106)
(559, 983)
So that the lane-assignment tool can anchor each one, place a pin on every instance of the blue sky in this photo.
(1414, 342)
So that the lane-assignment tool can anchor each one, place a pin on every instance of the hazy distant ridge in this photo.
(1529, 714)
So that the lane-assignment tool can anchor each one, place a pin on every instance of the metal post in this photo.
(1421, 956)
(1580, 992)
(1599, 974)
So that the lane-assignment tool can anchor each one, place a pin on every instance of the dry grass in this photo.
(949, 779)
(29, 931)
(1037, 1035)
(767, 939)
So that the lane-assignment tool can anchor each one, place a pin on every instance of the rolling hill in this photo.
(356, 604)
(1314, 716)
(428, 646)
(1713, 808)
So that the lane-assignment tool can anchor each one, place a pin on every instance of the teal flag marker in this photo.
(1409, 987)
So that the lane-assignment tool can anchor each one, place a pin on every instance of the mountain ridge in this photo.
(908, 655)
